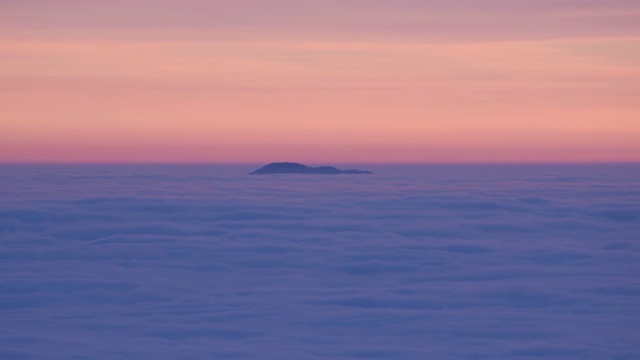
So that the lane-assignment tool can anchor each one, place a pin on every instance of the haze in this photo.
(319, 81)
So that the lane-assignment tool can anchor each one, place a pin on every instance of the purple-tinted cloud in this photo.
(413, 20)
(416, 262)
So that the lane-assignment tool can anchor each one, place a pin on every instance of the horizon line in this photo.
(81, 163)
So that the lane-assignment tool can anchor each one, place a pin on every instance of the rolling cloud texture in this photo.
(438, 262)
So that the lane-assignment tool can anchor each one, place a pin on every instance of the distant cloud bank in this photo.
(455, 262)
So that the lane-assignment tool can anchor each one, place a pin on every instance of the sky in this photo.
(402, 81)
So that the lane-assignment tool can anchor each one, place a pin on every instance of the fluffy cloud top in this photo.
(440, 262)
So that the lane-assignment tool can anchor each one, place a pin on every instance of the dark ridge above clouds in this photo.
(296, 168)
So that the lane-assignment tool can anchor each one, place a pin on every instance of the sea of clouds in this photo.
(414, 262)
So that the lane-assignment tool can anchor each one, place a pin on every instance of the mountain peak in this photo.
(296, 168)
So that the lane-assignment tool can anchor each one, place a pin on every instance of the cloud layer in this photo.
(440, 262)
(431, 20)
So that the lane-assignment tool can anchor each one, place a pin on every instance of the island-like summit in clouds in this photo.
(295, 168)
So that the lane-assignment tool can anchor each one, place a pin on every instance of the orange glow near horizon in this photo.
(97, 95)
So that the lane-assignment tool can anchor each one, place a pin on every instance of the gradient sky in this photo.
(319, 81)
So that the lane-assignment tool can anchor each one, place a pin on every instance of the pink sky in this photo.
(319, 81)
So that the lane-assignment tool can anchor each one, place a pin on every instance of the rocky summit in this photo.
(296, 168)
